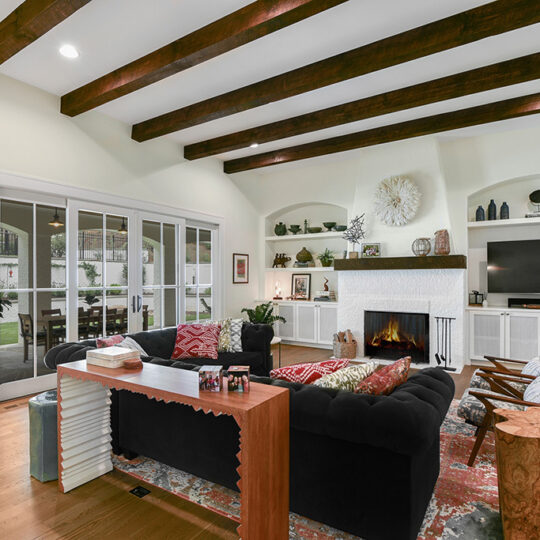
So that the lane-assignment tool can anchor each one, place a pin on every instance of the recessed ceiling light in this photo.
(69, 51)
(254, 145)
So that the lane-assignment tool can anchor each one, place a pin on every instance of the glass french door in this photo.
(161, 273)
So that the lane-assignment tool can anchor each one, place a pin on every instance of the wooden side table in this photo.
(517, 442)
(262, 414)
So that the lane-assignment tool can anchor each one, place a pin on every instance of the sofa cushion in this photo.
(130, 343)
(230, 336)
(479, 382)
(532, 368)
(386, 380)
(532, 392)
(196, 341)
(472, 409)
(308, 372)
(346, 378)
(157, 343)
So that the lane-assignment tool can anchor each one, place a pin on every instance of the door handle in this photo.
(133, 305)
(139, 303)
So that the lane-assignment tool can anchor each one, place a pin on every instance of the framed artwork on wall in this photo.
(301, 286)
(240, 268)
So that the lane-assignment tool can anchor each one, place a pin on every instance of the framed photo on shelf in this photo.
(301, 286)
(240, 268)
(371, 250)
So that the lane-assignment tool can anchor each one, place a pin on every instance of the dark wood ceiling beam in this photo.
(466, 27)
(483, 114)
(247, 24)
(515, 71)
(31, 20)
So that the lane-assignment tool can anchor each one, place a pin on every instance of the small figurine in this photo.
(325, 284)
(280, 260)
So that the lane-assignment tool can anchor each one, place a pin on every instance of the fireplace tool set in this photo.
(444, 342)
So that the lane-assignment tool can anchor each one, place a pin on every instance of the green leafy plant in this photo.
(90, 272)
(4, 302)
(326, 257)
(263, 314)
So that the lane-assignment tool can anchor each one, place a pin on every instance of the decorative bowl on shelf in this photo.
(314, 230)
(340, 228)
(295, 229)
(329, 225)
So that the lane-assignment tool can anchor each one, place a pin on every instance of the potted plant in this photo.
(326, 258)
(263, 314)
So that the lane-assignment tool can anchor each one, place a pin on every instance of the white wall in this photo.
(95, 152)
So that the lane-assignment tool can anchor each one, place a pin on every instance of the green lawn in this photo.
(9, 333)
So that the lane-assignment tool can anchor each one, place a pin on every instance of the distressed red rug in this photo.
(464, 506)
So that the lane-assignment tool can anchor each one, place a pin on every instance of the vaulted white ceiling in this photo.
(108, 34)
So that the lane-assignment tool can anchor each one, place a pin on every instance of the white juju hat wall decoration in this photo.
(396, 200)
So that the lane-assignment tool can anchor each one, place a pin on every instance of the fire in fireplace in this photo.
(390, 335)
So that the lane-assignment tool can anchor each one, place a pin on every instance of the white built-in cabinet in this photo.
(506, 333)
(307, 322)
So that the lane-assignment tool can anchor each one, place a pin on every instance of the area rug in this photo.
(464, 506)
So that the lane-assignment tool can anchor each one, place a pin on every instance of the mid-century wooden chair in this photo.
(501, 389)
(58, 330)
(27, 333)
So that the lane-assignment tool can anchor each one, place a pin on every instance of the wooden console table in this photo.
(84, 434)
(517, 441)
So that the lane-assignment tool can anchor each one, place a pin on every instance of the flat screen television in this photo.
(514, 267)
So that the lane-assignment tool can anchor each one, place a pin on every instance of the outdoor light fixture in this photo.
(55, 222)
(123, 228)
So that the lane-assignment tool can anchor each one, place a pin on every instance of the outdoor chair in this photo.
(27, 333)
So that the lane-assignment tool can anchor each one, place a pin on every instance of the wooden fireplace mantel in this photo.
(435, 262)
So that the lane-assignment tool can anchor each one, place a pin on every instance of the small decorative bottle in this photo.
(492, 210)
(480, 214)
(505, 211)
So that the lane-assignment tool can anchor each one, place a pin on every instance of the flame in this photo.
(392, 334)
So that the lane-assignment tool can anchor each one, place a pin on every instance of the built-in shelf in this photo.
(503, 223)
(308, 269)
(298, 237)
(402, 263)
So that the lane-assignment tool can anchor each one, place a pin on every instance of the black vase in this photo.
(505, 211)
(480, 214)
(492, 210)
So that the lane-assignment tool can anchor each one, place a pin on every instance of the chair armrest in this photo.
(483, 397)
(489, 369)
(500, 384)
(496, 360)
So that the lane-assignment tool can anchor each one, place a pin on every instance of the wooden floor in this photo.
(104, 508)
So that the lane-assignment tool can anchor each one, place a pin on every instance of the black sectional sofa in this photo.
(159, 345)
(366, 465)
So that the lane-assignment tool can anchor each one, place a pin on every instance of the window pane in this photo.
(117, 311)
(169, 303)
(51, 316)
(17, 337)
(90, 314)
(151, 309)
(16, 245)
(191, 256)
(151, 253)
(117, 251)
(191, 304)
(205, 257)
(205, 303)
(169, 253)
(50, 247)
(90, 249)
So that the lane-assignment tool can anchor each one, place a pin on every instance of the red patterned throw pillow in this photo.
(109, 341)
(308, 372)
(386, 380)
(196, 341)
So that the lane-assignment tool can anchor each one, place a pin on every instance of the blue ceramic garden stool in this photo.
(43, 436)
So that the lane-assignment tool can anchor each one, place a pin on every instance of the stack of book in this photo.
(111, 357)
(325, 296)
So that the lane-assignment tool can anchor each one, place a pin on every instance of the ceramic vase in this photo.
(442, 242)
(505, 211)
(480, 214)
(492, 210)
(280, 229)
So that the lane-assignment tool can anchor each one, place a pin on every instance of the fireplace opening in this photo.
(390, 335)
